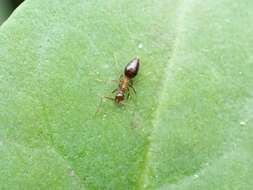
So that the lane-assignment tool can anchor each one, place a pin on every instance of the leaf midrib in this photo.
(179, 23)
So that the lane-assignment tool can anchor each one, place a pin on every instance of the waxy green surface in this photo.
(188, 128)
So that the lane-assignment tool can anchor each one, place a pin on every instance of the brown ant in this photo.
(130, 71)
(125, 82)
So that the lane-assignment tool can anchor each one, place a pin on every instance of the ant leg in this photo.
(131, 86)
(100, 103)
(116, 68)
(109, 98)
(128, 95)
(114, 90)
(130, 83)
(98, 107)
(107, 81)
(120, 77)
(124, 104)
(121, 103)
(133, 89)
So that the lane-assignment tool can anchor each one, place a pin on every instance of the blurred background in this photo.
(7, 7)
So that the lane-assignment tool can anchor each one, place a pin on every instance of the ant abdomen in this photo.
(132, 68)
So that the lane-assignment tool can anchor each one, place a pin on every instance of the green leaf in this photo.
(188, 127)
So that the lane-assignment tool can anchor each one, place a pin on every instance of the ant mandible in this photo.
(130, 71)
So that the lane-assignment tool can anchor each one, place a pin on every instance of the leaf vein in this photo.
(181, 10)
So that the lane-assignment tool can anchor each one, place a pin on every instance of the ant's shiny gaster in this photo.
(125, 82)
(131, 70)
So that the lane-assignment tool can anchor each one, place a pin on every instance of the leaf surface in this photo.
(188, 127)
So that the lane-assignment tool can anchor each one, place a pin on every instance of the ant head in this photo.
(119, 97)
(132, 68)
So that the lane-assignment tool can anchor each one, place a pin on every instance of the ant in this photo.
(130, 71)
